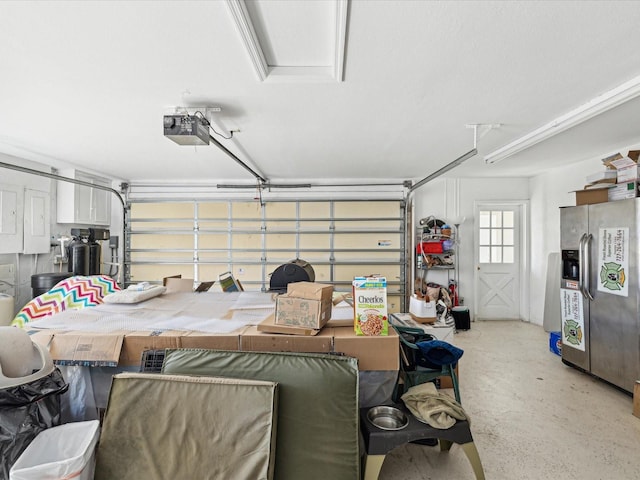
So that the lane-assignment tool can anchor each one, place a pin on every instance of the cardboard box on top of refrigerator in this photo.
(628, 174)
(370, 306)
(603, 176)
(623, 191)
(626, 167)
(593, 195)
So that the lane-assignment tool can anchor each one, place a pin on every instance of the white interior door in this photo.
(498, 261)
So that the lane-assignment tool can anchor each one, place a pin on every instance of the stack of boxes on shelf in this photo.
(617, 181)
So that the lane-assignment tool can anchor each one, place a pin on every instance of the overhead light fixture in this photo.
(600, 104)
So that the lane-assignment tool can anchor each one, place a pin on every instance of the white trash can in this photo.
(65, 451)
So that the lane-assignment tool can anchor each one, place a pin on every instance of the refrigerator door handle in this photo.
(587, 265)
(581, 265)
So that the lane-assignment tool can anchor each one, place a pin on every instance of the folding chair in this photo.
(423, 359)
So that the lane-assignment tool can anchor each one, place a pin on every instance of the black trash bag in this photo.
(25, 411)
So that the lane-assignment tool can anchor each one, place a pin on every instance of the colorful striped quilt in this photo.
(71, 293)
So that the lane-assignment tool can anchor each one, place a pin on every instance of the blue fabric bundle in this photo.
(436, 353)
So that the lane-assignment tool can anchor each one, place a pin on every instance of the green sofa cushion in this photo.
(318, 431)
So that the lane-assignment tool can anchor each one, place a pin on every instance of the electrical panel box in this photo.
(11, 213)
(37, 221)
(186, 129)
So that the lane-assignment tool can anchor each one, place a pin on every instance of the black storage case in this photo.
(461, 317)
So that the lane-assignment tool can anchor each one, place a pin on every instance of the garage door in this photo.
(203, 239)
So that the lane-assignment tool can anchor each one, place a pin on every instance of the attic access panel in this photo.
(293, 41)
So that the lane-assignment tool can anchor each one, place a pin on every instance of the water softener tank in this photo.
(43, 282)
(94, 257)
(78, 257)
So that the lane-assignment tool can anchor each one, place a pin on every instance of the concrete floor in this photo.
(532, 417)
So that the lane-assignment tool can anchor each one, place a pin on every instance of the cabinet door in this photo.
(84, 203)
(101, 206)
(11, 205)
(36, 221)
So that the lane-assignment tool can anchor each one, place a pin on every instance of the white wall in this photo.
(448, 199)
(550, 191)
(25, 266)
(453, 199)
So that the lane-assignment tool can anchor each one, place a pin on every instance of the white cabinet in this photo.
(83, 204)
(11, 205)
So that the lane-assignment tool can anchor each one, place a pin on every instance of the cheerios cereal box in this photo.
(370, 306)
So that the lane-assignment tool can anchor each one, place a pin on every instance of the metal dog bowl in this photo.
(387, 418)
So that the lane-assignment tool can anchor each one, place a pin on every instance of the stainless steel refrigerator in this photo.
(600, 292)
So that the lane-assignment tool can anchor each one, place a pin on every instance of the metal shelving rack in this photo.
(422, 259)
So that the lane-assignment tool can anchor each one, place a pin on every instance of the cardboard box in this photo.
(603, 176)
(608, 161)
(440, 332)
(269, 325)
(627, 174)
(311, 291)
(91, 350)
(634, 155)
(372, 352)
(555, 343)
(135, 343)
(370, 306)
(623, 191)
(589, 197)
(446, 382)
(626, 168)
(306, 304)
(636, 399)
(211, 341)
(125, 348)
(252, 340)
(178, 284)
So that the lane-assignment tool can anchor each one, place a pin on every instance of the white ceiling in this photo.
(88, 83)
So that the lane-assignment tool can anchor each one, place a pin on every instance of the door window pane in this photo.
(507, 236)
(496, 219)
(485, 219)
(507, 218)
(496, 236)
(507, 255)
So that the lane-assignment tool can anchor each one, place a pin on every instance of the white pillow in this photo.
(134, 296)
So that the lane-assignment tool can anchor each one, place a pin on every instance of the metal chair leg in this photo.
(474, 459)
(372, 466)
